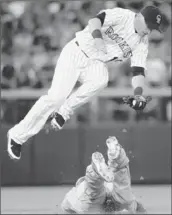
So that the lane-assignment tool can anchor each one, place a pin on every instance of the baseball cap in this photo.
(153, 17)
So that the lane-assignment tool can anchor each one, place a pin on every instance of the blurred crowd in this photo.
(34, 33)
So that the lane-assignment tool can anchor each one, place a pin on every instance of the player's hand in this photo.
(138, 103)
(100, 45)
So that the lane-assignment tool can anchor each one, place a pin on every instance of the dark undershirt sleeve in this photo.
(101, 16)
(138, 71)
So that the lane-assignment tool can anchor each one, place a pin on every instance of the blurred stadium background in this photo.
(32, 37)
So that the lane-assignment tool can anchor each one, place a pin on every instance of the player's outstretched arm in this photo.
(138, 102)
(138, 63)
(95, 25)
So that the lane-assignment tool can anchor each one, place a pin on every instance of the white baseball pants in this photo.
(72, 65)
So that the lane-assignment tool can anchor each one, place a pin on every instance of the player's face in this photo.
(140, 25)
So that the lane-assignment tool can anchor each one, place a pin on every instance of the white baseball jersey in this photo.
(121, 40)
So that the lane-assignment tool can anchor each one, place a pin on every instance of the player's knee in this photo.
(55, 99)
(103, 82)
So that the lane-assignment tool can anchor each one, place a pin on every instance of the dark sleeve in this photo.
(101, 16)
(138, 71)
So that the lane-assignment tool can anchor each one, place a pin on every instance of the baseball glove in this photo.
(138, 103)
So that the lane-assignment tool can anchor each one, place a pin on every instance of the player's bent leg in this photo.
(94, 79)
(122, 191)
(99, 166)
(81, 96)
(89, 193)
(65, 77)
(31, 124)
(83, 199)
(97, 173)
(118, 161)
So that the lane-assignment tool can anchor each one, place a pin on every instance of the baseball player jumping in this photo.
(104, 188)
(113, 35)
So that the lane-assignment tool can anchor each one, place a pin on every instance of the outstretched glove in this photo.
(138, 103)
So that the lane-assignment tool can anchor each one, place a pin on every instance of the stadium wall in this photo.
(56, 158)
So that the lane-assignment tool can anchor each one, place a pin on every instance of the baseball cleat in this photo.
(114, 148)
(57, 122)
(14, 149)
(101, 168)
